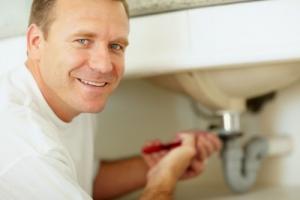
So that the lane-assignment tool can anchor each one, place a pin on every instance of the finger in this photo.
(201, 150)
(194, 170)
(210, 141)
(197, 166)
(156, 157)
(188, 175)
(149, 160)
(187, 139)
(209, 146)
(162, 153)
(216, 142)
(153, 158)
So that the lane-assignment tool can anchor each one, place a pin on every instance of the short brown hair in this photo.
(41, 13)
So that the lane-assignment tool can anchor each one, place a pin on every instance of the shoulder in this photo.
(21, 118)
(39, 177)
(14, 89)
(24, 132)
(25, 129)
(24, 122)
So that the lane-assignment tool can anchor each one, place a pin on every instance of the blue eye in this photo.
(116, 47)
(83, 42)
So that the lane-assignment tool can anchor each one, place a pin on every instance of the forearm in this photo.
(159, 189)
(154, 194)
(120, 177)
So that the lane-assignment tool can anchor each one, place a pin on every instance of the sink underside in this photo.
(228, 88)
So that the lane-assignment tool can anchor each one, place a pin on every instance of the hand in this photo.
(170, 168)
(163, 176)
(206, 144)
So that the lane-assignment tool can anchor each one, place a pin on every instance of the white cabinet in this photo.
(214, 37)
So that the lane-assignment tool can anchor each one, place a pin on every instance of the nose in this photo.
(100, 60)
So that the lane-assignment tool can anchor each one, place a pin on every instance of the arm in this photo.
(157, 193)
(131, 174)
(117, 178)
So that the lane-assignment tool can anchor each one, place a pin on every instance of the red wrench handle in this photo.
(156, 148)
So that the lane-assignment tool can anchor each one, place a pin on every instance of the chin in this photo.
(94, 108)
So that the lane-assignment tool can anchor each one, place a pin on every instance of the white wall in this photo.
(12, 52)
(281, 117)
(14, 15)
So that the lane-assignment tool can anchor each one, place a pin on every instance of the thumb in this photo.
(187, 139)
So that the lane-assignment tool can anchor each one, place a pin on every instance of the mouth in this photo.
(93, 83)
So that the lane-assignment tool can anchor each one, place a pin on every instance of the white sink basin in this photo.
(228, 88)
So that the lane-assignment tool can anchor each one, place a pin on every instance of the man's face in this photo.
(82, 59)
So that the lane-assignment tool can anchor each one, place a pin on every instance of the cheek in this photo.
(120, 70)
(118, 62)
(57, 67)
(49, 66)
(75, 59)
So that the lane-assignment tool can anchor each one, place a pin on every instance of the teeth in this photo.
(93, 83)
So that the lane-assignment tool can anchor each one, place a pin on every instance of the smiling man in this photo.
(76, 51)
(79, 61)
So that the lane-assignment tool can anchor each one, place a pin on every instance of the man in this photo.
(75, 61)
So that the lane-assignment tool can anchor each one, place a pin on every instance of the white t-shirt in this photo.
(41, 157)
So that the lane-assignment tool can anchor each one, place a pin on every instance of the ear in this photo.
(35, 39)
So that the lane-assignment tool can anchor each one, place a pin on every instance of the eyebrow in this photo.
(84, 34)
(124, 41)
(93, 35)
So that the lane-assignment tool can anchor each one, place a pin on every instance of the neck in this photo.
(59, 107)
